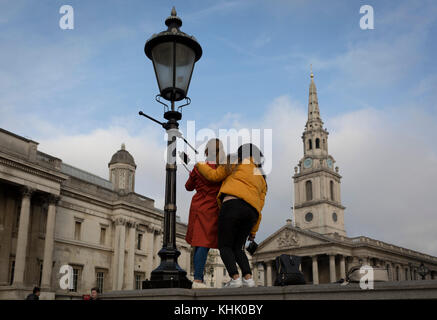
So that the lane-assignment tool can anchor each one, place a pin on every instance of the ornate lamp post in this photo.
(173, 54)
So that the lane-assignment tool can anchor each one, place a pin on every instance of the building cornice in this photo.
(34, 169)
(314, 172)
(316, 202)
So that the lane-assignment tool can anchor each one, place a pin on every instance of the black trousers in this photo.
(235, 222)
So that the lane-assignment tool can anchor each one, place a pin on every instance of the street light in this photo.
(173, 54)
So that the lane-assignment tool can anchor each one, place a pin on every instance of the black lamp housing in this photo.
(173, 54)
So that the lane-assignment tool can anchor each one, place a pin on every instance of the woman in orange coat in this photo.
(204, 210)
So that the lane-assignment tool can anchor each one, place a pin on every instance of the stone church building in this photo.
(53, 214)
(318, 233)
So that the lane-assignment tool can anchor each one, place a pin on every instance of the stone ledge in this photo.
(419, 289)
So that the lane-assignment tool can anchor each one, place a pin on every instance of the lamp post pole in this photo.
(174, 54)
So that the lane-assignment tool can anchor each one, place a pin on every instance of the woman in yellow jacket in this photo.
(241, 199)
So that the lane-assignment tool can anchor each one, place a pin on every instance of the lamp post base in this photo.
(160, 284)
(168, 274)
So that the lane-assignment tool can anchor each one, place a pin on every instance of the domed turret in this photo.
(122, 171)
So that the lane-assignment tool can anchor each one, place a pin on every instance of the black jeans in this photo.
(235, 222)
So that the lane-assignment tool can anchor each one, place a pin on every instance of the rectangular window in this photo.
(76, 273)
(102, 236)
(100, 276)
(224, 272)
(40, 273)
(77, 227)
(138, 281)
(11, 272)
(139, 240)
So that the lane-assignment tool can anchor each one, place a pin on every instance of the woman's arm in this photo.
(215, 175)
(190, 185)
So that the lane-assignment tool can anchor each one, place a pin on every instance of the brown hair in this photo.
(218, 154)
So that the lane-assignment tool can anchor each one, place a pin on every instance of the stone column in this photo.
(6, 240)
(255, 272)
(23, 232)
(269, 274)
(342, 267)
(150, 245)
(389, 267)
(119, 248)
(158, 245)
(315, 270)
(130, 262)
(188, 261)
(332, 274)
(49, 242)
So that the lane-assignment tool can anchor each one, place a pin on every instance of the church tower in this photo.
(122, 171)
(317, 200)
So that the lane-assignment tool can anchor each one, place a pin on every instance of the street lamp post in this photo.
(173, 54)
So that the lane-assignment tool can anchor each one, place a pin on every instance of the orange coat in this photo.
(204, 210)
(244, 182)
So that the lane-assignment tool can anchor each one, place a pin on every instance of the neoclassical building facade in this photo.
(318, 233)
(53, 214)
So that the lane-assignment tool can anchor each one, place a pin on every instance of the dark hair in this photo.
(249, 150)
(95, 289)
(36, 289)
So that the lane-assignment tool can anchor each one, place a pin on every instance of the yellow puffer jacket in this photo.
(242, 182)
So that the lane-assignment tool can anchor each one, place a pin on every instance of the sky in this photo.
(78, 92)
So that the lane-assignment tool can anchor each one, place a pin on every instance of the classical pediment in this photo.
(289, 237)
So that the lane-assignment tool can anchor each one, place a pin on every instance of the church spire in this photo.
(313, 102)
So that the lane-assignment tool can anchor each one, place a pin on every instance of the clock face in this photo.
(308, 163)
(329, 163)
(309, 217)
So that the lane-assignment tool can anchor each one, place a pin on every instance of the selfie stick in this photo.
(178, 134)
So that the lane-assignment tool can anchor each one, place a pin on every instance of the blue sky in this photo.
(78, 93)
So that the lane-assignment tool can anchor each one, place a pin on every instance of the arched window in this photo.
(310, 144)
(309, 190)
(317, 143)
(331, 189)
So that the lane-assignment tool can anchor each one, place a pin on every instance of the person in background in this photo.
(94, 294)
(35, 294)
(203, 217)
(241, 199)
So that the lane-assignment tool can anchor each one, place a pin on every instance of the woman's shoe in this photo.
(198, 285)
(234, 283)
(248, 283)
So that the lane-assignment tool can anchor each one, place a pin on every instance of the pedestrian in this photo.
(204, 210)
(94, 294)
(35, 294)
(241, 199)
